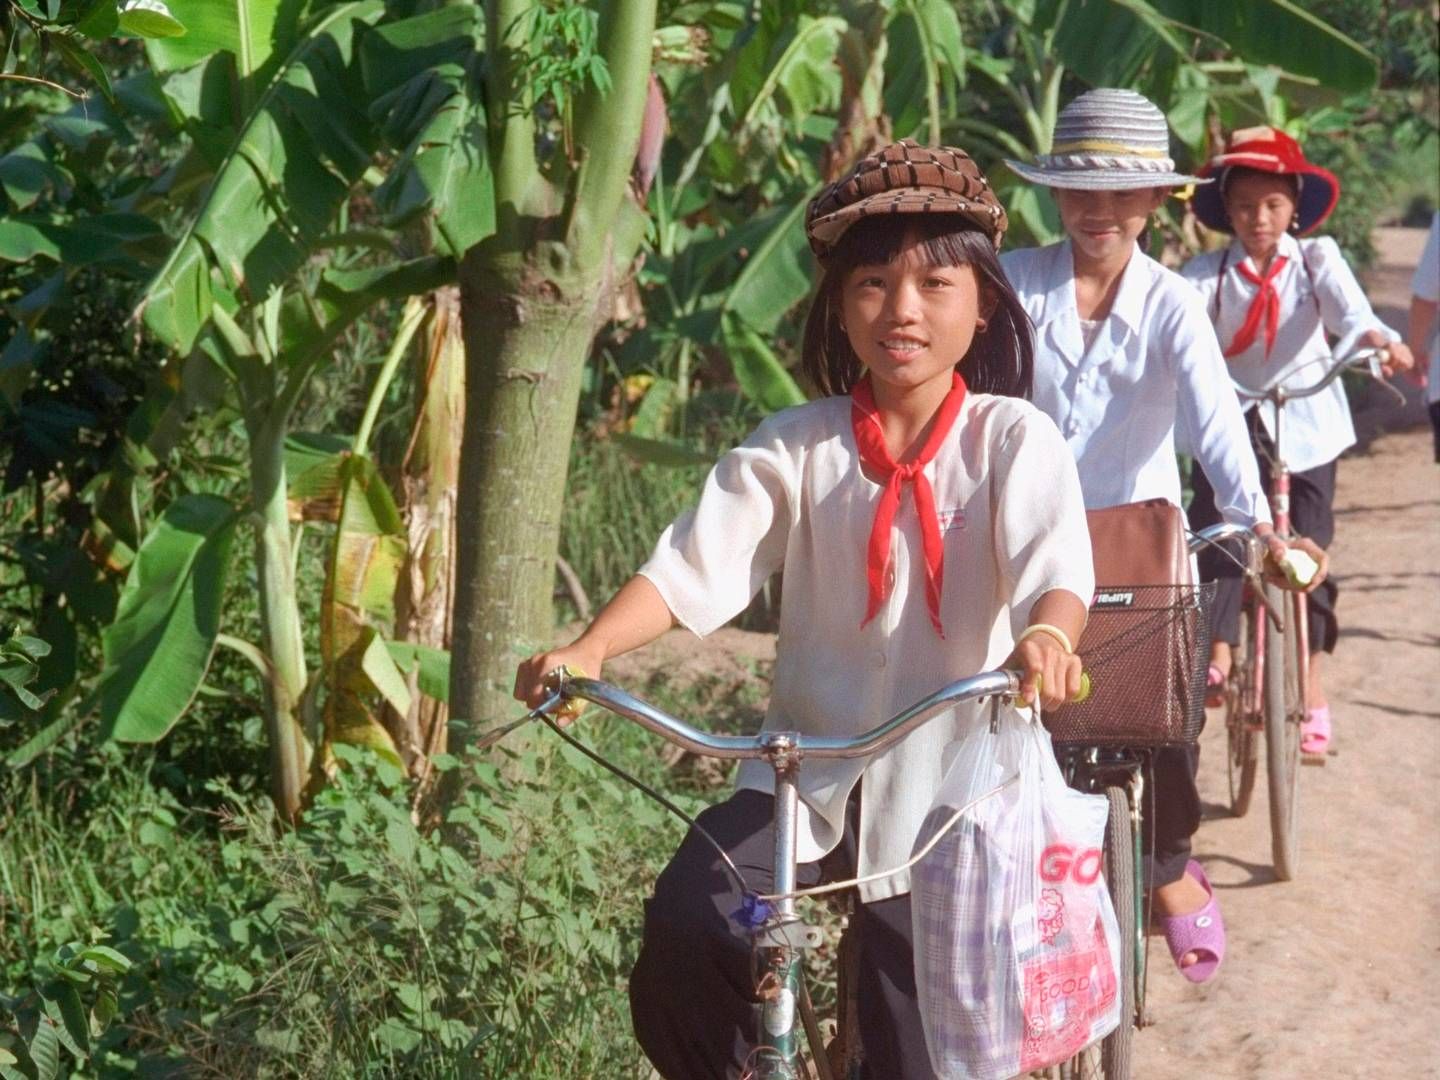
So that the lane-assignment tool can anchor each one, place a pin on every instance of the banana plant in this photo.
(310, 106)
(168, 620)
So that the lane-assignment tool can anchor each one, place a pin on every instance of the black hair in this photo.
(1239, 172)
(1001, 358)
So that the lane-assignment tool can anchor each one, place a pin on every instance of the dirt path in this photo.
(1333, 974)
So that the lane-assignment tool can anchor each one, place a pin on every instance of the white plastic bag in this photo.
(1016, 944)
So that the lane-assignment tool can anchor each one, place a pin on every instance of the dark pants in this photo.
(691, 993)
(1435, 423)
(1312, 495)
(1171, 812)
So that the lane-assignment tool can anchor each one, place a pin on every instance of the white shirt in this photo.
(1426, 285)
(1327, 297)
(1154, 361)
(793, 496)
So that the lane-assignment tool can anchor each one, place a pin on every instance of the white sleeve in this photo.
(1042, 542)
(1202, 272)
(1426, 282)
(1209, 414)
(710, 562)
(1344, 307)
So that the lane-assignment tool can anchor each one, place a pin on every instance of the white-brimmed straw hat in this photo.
(1108, 140)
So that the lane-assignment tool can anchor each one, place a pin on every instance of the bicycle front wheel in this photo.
(1110, 1060)
(1284, 709)
(1117, 1047)
(1241, 705)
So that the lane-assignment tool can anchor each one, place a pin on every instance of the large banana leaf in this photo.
(789, 60)
(925, 57)
(757, 369)
(253, 30)
(75, 241)
(776, 275)
(1109, 42)
(297, 156)
(159, 646)
(422, 77)
(365, 564)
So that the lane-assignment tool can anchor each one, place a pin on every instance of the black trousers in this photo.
(1171, 813)
(1312, 514)
(691, 993)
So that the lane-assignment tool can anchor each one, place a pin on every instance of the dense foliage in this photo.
(221, 318)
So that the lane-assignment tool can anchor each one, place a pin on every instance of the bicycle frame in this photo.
(1279, 494)
(1280, 512)
(780, 941)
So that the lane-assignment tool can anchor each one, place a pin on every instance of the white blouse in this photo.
(1154, 362)
(793, 496)
(1326, 298)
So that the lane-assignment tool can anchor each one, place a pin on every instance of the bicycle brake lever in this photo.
(1375, 371)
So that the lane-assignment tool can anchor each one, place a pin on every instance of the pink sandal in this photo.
(1201, 932)
(1315, 731)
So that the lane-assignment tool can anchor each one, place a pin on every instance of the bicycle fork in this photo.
(780, 943)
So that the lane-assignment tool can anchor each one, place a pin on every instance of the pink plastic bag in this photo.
(1016, 944)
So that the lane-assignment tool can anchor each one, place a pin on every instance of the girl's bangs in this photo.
(943, 239)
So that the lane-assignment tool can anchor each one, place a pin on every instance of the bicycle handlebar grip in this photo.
(572, 708)
(1083, 695)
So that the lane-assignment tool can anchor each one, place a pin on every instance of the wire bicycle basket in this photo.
(1147, 649)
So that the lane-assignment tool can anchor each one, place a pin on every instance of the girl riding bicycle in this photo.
(1272, 297)
(1124, 353)
(929, 523)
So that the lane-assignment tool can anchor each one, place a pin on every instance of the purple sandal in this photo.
(1202, 932)
(1315, 731)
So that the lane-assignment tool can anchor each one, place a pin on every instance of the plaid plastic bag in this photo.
(1016, 944)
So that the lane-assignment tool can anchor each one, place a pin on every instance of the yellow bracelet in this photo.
(1045, 628)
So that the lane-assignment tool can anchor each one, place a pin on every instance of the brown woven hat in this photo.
(905, 178)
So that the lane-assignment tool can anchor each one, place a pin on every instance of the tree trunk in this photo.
(527, 334)
(430, 483)
(532, 297)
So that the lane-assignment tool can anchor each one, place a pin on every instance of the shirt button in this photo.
(880, 660)
(1203, 921)
(889, 579)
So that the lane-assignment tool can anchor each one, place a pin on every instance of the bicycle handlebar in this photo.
(1216, 534)
(767, 743)
(564, 687)
(1369, 357)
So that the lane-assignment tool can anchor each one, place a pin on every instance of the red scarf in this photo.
(1265, 306)
(875, 455)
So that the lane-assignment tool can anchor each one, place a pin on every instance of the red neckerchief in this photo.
(1265, 306)
(875, 455)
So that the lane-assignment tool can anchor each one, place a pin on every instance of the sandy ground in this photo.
(1334, 974)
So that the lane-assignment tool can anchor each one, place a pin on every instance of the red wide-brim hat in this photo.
(1270, 150)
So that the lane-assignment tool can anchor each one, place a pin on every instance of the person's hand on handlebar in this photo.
(1399, 357)
(635, 616)
(530, 676)
(1046, 662)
